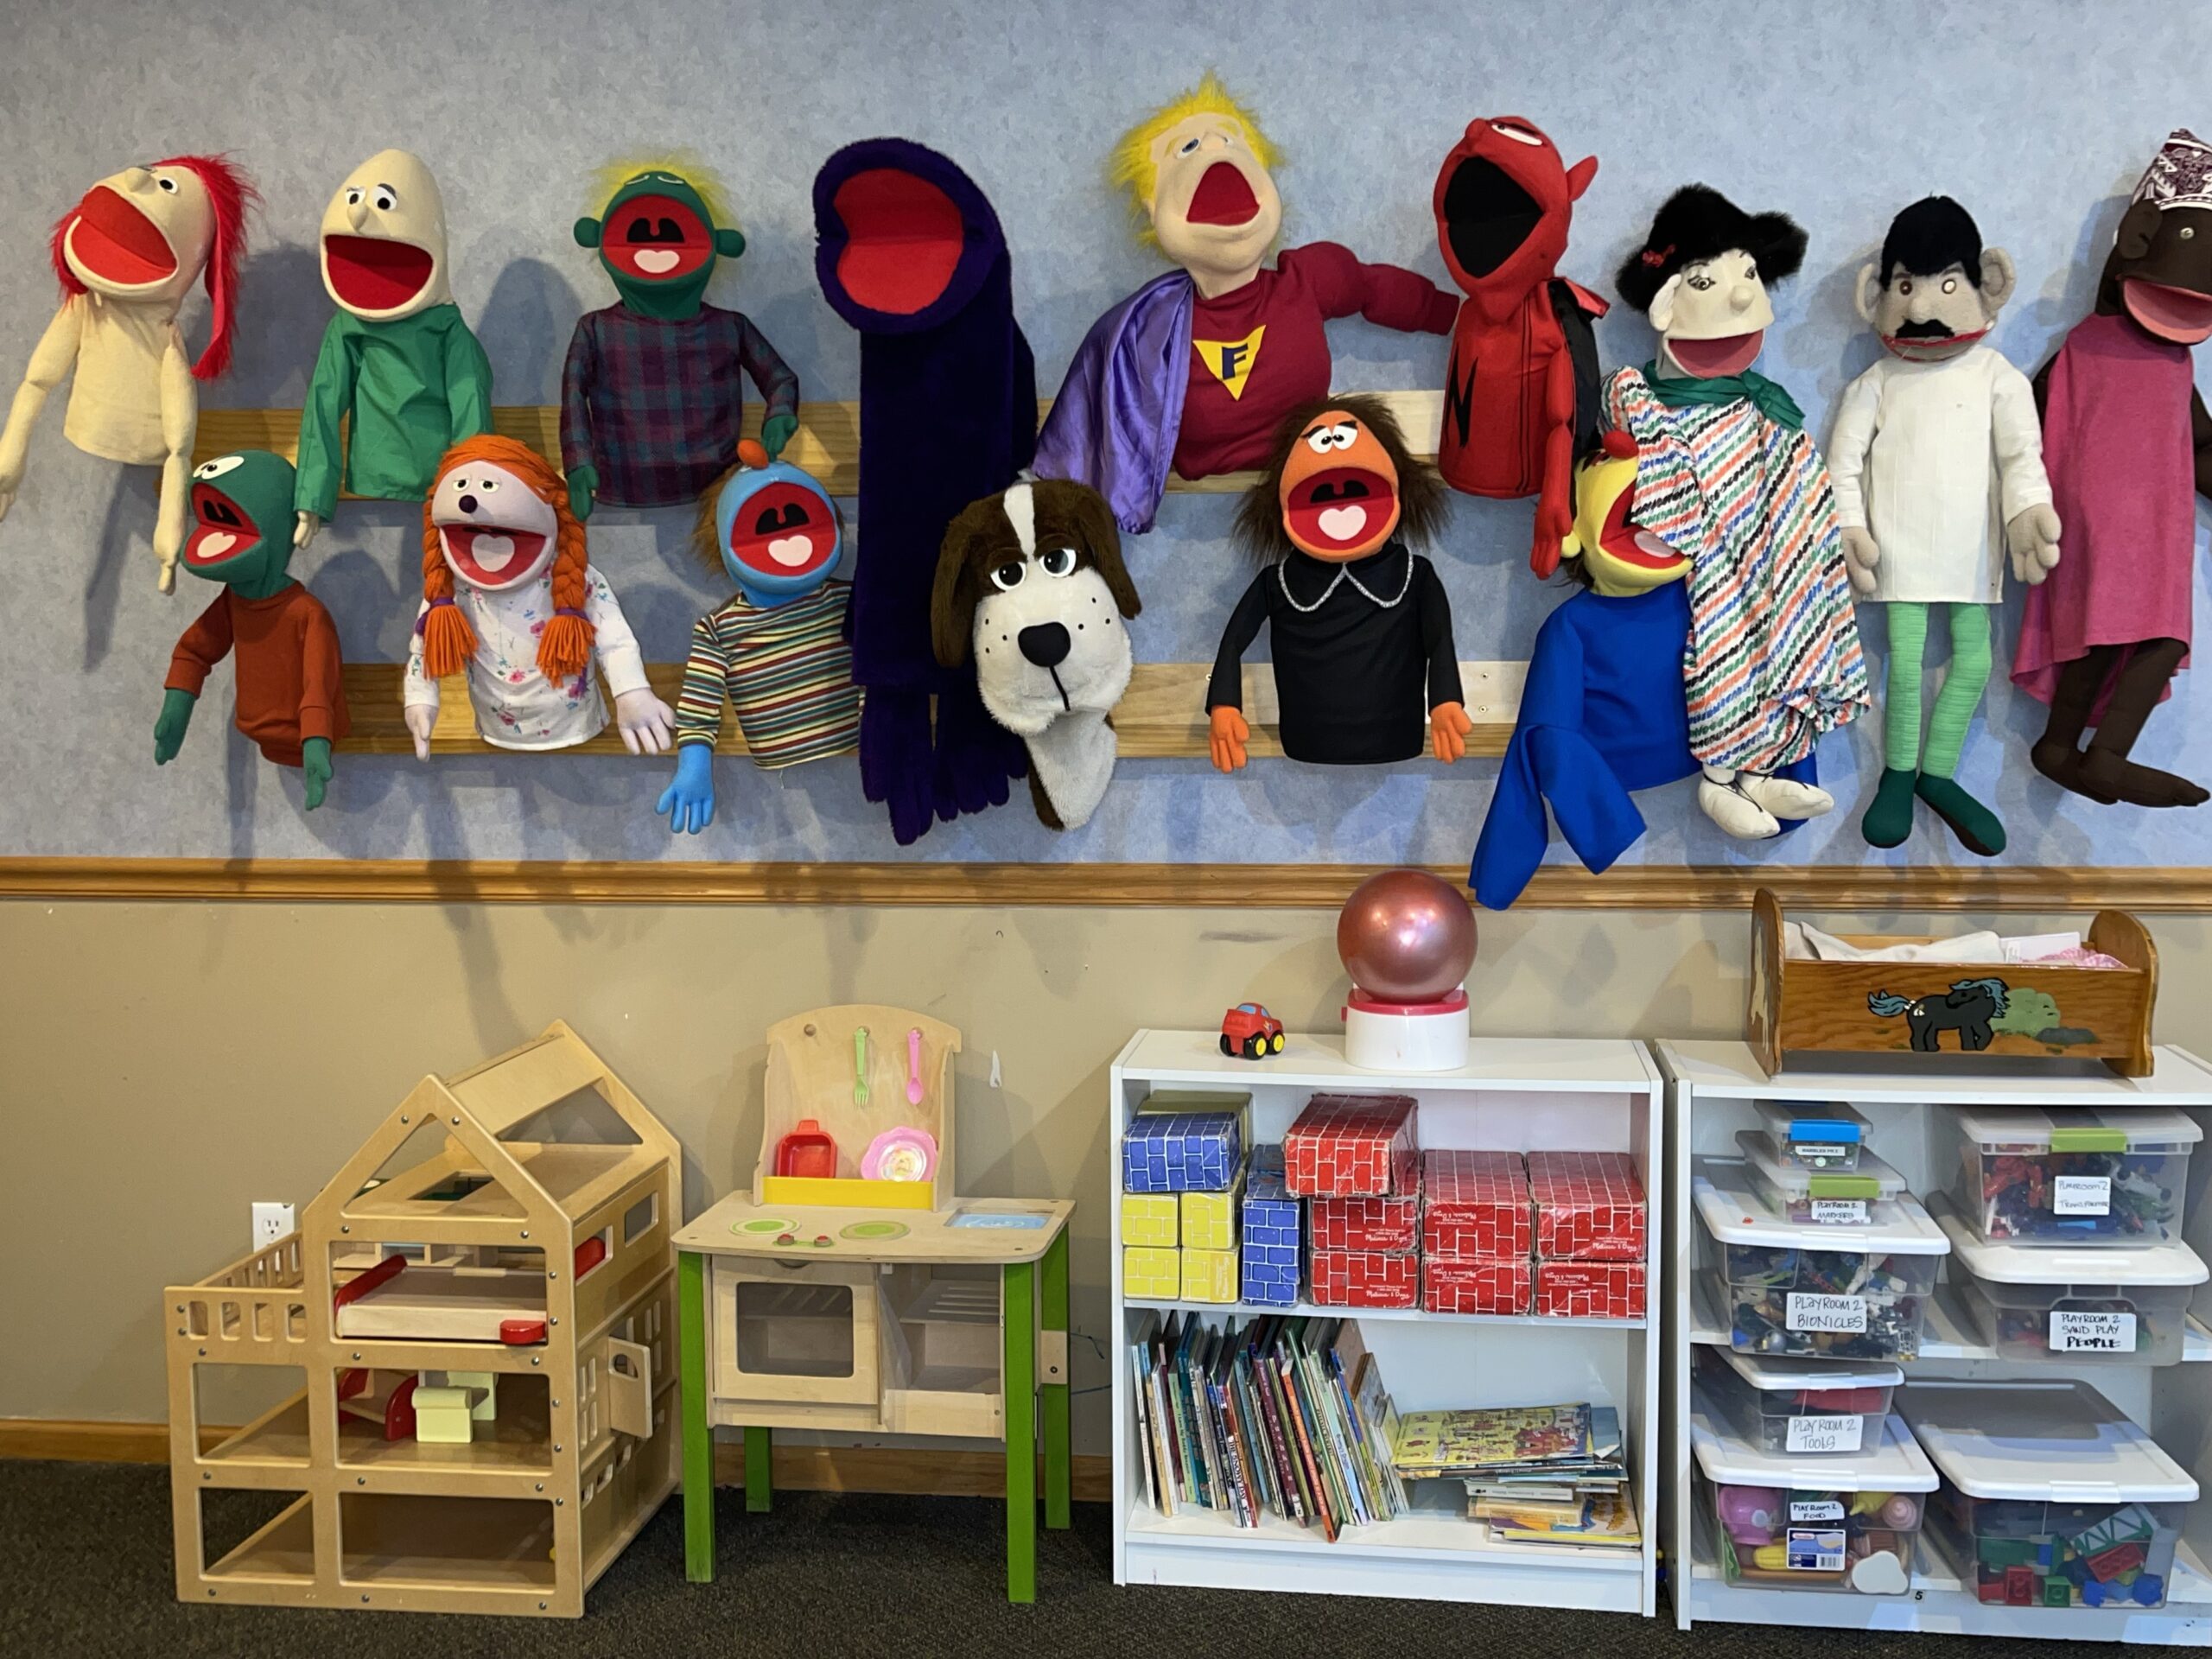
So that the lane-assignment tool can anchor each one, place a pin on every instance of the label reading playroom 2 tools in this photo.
(1809, 1312)
(1838, 1434)
(1832, 1212)
(2080, 1195)
(2075, 1332)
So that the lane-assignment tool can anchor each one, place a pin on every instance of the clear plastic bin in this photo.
(1816, 1136)
(2035, 1552)
(2071, 1175)
(1776, 1537)
(1824, 1292)
(1798, 1408)
(1817, 1198)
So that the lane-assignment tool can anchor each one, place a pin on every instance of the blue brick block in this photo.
(1181, 1152)
(1269, 1240)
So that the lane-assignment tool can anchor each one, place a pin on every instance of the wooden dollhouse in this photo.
(480, 1308)
(850, 1289)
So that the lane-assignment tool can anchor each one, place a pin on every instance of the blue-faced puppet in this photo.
(777, 648)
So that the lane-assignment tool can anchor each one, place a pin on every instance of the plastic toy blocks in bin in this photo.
(1349, 1146)
(2071, 1175)
(1474, 1204)
(1798, 1408)
(1824, 1138)
(1588, 1206)
(1823, 1197)
(1825, 1292)
(1181, 1152)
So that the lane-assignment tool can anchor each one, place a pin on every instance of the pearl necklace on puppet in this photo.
(1343, 574)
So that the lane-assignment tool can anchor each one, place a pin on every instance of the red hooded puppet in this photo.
(1521, 395)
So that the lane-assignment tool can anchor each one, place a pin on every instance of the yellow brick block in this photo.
(1210, 1219)
(1148, 1218)
(1151, 1274)
(1209, 1275)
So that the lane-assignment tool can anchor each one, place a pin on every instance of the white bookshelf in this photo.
(1512, 1094)
(1712, 1087)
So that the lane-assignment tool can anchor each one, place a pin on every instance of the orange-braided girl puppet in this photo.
(509, 593)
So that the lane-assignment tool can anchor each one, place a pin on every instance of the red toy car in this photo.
(1250, 1030)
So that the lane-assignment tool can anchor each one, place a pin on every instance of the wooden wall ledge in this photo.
(1162, 718)
(827, 444)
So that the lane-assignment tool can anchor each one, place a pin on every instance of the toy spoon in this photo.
(860, 1065)
(914, 1066)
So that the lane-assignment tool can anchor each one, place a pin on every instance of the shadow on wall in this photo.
(125, 554)
(526, 324)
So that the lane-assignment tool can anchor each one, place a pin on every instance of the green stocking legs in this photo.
(1907, 770)
(1889, 820)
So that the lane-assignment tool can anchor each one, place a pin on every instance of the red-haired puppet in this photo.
(508, 593)
(126, 256)
(1521, 395)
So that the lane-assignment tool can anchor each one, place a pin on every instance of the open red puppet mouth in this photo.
(116, 243)
(490, 556)
(1633, 545)
(1708, 359)
(903, 240)
(782, 530)
(374, 273)
(220, 530)
(1343, 508)
(1223, 197)
(2180, 315)
(657, 238)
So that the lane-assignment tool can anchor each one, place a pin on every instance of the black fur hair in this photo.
(1423, 500)
(1698, 223)
(1932, 235)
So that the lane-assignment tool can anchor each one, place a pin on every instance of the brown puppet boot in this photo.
(2057, 753)
(2105, 770)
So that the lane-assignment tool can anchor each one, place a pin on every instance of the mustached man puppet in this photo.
(1359, 626)
(1938, 466)
(1197, 369)
(909, 252)
(1031, 584)
(396, 357)
(508, 593)
(290, 683)
(778, 649)
(1727, 475)
(2129, 448)
(653, 395)
(1520, 393)
(125, 256)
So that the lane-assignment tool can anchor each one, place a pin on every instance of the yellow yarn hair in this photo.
(1131, 167)
(606, 180)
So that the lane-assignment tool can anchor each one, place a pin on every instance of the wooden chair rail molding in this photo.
(2180, 890)
(827, 444)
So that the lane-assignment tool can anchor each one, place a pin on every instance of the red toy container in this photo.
(1474, 1204)
(807, 1151)
(1364, 1278)
(1352, 1146)
(1589, 1206)
(1590, 1290)
(1475, 1284)
(1385, 1223)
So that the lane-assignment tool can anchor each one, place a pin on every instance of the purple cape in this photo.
(1115, 423)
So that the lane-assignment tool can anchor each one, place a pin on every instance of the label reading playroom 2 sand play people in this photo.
(1834, 1212)
(1807, 1311)
(1840, 1434)
(2080, 1195)
(2075, 1332)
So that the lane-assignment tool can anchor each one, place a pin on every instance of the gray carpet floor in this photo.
(85, 1572)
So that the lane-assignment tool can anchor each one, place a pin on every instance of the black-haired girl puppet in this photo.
(1360, 627)
(1728, 476)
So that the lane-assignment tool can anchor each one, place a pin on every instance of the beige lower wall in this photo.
(163, 1066)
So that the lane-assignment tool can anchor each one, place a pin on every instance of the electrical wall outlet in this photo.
(270, 1223)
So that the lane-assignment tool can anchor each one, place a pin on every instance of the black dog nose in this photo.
(1046, 644)
(469, 505)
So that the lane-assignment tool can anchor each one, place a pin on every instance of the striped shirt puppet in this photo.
(778, 649)
(1728, 476)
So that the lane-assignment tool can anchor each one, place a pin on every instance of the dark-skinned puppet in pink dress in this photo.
(2128, 445)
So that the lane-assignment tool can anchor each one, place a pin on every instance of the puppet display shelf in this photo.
(480, 1310)
(831, 1299)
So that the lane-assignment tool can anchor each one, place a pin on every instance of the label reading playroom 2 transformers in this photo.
(1814, 1549)
(1840, 1434)
(2080, 1195)
(1809, 1312)
(1832, 1212)
(2073, 1333)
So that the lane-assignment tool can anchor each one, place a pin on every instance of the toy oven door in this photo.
(808, 1333)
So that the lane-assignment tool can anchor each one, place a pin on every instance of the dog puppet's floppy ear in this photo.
(954, 593)
(1094, 522)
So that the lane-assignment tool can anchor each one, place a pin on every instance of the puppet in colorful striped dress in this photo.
(1729, 477)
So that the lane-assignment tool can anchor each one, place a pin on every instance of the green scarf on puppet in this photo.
(261, 486)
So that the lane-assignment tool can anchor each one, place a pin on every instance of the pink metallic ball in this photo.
(1405, 936)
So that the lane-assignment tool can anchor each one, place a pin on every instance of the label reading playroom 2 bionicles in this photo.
(1838, 1434)
(1835, 1212)
(1814, 1549)
(2076, 1333)
(1807, 1311)
(1805, 1510)
(2080, 1195)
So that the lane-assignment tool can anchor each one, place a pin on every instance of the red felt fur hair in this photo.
(564, 647)
(231, 196)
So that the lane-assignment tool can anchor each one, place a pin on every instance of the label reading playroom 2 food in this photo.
(2080, 1195)
(1839, 1434)
(1814, 1549)
(1830, 1212)
(1804, 1511)
(1809, 1312)
(2074, 1332)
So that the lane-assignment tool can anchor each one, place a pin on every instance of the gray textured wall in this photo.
(2038, 115)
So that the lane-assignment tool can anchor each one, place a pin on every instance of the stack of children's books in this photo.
(1534, 1474)
(1282, 1416)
